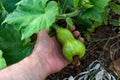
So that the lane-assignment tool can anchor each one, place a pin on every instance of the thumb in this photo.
(43, 37)
(42, 34)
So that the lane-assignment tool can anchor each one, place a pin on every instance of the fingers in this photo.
(81, 39)
(76, 34)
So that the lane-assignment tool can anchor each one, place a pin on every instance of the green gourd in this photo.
(70, 46)
(2, 61)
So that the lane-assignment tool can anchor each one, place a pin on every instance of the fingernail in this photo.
(76, 33)
(81, 39)
(72, 28)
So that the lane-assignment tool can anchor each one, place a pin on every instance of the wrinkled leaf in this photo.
(30, 19)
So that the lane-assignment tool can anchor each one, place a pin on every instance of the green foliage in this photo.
(9, 4)
(10, 43)
(115, 7)
(85, 4)
(2, 61)
(94, 13)
(69, 21)
(91, 13)
(115, 22)
(3, 13)
(105, 16)
(76, 3)
(30, 19)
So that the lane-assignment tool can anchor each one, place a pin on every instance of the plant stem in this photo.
(55, 26)
(76, 61)
(72, 14)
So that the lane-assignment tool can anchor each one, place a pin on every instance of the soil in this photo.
(103, 42)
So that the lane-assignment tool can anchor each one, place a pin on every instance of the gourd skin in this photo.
(71, 46)
(62, 35)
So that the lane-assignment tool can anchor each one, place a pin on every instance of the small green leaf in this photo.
(115, 22)
(85, 4)
(115, 7)
(32, 16)
(69, 21)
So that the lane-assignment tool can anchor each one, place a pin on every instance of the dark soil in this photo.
(103, 41)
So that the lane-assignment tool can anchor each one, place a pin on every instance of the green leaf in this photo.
(95, 12)
(9, 4)
(67, 5)
(84, 22)
(96, 24)
(115, 22)
(85, 4)
(92, 14)
(13, 48)
(76, 2)
(2, 61)
(69, 21)
(32, 16)
(115, 7)
(105, 16)
(3, 13)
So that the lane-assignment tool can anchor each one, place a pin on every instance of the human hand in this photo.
(49, 51)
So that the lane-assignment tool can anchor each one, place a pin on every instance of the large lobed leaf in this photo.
(10, 43)
(32, 16)
(94, 13)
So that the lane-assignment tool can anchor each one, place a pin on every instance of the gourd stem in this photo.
(55, 26)
(76, 61)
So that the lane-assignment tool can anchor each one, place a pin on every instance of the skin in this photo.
(45, 59)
